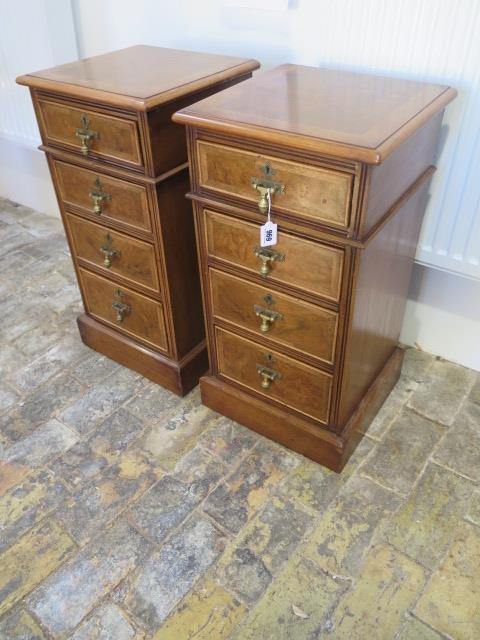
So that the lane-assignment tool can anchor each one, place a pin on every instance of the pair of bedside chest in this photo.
(302, 332)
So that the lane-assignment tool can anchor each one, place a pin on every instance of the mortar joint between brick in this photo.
(441, 634)
(391, 489)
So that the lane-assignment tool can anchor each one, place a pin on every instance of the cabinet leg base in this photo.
(178, 377)
(316, 443)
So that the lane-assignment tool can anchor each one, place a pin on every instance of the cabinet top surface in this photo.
(140, 76)
(350, 115)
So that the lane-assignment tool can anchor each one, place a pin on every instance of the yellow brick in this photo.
(167, 445)
(331, 542)
(265, 536)
(10, 475)
(13, 506)
(385, 589)
(451, 601)
(317, 486)
(20, 625)
(474, 511)
(344, 533)
(425, 524)
(208, 613)
(30, 560)
(295, 606)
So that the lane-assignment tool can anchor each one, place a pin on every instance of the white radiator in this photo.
(432, 40)
(450, 237)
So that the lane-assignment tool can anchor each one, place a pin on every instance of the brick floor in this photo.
(128, 513)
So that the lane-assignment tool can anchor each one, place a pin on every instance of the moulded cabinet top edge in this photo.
(139, 77)
(355, 116)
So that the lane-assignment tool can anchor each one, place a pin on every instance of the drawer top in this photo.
(348, 115)
(140, 77)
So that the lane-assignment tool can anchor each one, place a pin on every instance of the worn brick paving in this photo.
(127, 513)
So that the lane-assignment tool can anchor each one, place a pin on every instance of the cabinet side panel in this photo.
(167, 139)
(382, 277)
(180, 256)
(399, 171)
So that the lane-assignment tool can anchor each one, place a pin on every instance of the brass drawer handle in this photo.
(267, 316)
(109, 251)
(98, 195)
(120, 307)
(85, 134)
(267, 256)
(265, 186)
(268, 375)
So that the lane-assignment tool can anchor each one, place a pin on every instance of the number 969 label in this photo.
(268, 234)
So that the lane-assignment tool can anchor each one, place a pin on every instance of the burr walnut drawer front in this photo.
(91, 133)
(274, 375)
(310, 266)
(85, 191)
(308, 191)
(128, 311)
(115, 252)
(284, 319)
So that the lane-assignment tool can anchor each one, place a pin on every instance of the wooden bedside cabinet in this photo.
(303, 334)
(120, 171)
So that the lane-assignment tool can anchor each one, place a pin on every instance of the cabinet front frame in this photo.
(206, 263)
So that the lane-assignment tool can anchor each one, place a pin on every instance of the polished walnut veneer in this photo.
(119, 166)
(303, 335)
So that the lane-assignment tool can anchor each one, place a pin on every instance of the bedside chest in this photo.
(302, 333)
(119, 167)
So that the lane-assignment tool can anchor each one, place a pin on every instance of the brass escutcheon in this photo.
(267, 316)
(120, 307)
(264, 190)
(85, 134)
(267, 256)
(98, 196)
(108, 251)
(268, 375)
(265, 186)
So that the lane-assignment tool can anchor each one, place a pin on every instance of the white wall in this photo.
(24, 177)
(34, 34)
(435, 40)
(204, 25)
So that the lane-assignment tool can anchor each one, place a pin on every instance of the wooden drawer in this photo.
(115, 252)
(125, 202)
(115, 140)
(142, 318)
(310, 266)
(300, 386)
(311, 192)
(300, 325)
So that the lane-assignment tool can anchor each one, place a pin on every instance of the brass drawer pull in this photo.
(267, 256)
(266, 186)
(120, 307)
(267, 316)
(98, 196)
(108, 251)
(268, 375)
(85, 134)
